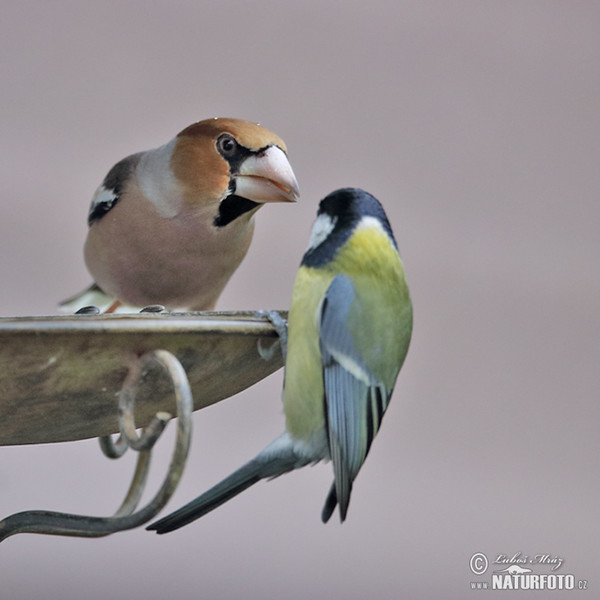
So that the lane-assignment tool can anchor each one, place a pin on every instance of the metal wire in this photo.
(57, 523)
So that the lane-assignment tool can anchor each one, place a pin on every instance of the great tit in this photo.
(349, 328)
(169, 226)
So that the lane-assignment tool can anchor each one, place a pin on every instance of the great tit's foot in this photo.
(280, 326)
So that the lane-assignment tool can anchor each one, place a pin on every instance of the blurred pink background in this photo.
(476, 124)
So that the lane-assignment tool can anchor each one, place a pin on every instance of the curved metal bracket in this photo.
(56, 523)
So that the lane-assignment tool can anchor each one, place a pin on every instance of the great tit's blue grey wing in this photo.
(354, 399)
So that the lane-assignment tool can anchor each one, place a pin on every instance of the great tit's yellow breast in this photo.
(303, 386)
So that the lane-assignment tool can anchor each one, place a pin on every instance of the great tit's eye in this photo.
(226, 145)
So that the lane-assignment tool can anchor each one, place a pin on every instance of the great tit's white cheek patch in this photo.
(323, 226)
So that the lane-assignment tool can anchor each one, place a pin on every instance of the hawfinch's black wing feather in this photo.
(109, 192)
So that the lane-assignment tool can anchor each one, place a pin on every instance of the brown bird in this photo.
(169, 226)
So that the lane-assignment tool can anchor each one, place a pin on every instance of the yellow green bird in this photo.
(349, 329)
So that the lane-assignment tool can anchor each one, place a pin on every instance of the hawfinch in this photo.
(169, 226)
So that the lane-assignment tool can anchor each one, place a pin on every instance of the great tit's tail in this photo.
(330, 503)
(276, 459)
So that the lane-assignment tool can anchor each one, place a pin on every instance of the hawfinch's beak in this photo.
(267, 177)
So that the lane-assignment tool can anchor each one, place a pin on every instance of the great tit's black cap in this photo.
(345, 208)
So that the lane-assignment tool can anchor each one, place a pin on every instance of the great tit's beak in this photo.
(267, 177)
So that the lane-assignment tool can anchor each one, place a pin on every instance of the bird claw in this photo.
(280, 326)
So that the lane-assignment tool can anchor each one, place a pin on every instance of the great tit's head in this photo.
(338, 216)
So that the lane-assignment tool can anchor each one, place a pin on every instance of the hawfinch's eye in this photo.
(226, 145)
